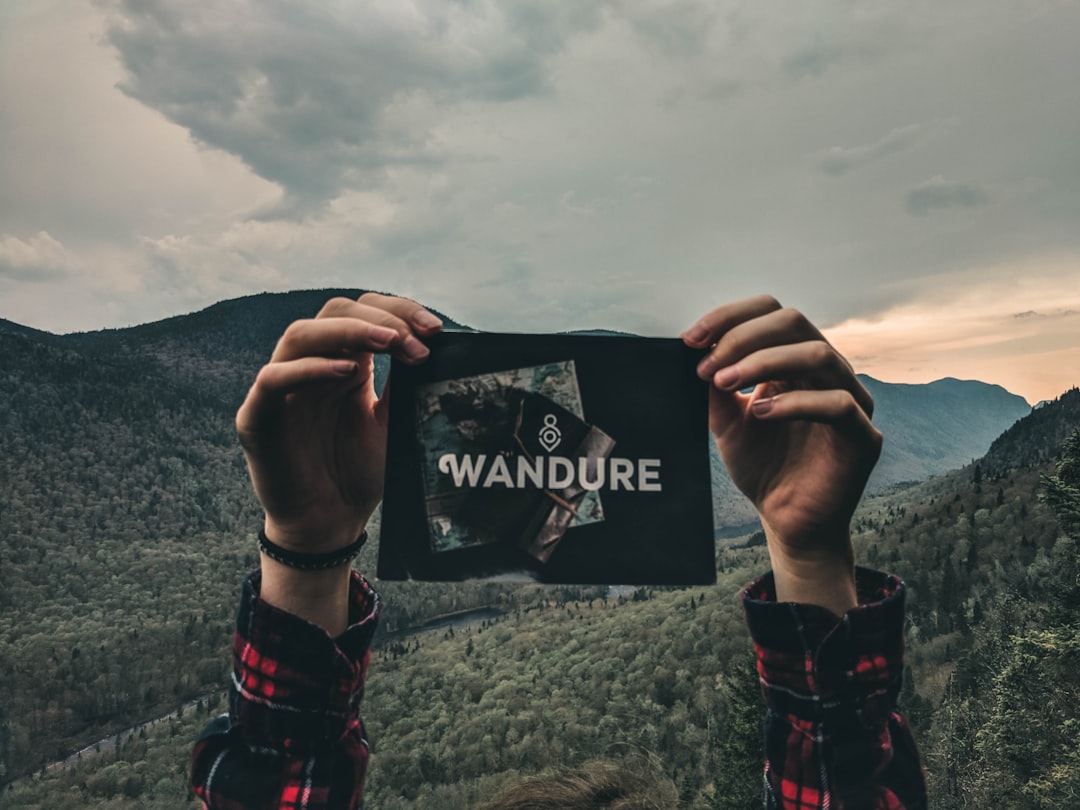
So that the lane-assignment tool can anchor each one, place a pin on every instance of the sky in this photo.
(906, 174)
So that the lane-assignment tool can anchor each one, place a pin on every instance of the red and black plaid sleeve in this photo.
(293, 737)
(833, 735)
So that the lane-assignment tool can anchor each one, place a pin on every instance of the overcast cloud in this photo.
(544, 166)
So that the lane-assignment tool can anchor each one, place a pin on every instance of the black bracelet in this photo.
(310, 562)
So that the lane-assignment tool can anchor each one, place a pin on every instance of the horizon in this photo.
(905, 176)
(860, 372)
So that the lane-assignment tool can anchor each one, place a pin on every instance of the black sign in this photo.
(551, 458)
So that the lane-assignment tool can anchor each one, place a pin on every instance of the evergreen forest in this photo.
(126, 525)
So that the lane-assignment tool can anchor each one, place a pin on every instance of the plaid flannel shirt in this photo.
(293, 738)
(833, 736)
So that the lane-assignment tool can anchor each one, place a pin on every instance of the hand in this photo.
(801, 446)
(313, 429)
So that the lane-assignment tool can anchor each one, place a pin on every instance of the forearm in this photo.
(320, 596)
(820, 574)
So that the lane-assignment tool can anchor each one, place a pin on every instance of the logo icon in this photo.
(550, 435)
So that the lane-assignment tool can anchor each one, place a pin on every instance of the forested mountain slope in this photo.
(1039, 437)
(217, 348)
(123, 512)
(11, 328)
(994, 604)
(126, 523)
(455, 714)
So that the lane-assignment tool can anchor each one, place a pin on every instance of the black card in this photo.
(551, 458)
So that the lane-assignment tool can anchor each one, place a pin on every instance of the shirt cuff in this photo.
(822, 668)
(293, 685)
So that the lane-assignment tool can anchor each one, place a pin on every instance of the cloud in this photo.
(302, 93)
(937, 192)
(1056, 313)
(839, 160)
(645, 160)
(85, 162)
(812, 60)
(677, 30)
(40, 258)
(967, 324)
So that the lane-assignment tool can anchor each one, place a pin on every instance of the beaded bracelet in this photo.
(310, 562)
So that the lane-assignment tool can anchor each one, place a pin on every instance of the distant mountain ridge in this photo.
(933, 427)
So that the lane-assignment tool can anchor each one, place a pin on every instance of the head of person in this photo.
(599, 785)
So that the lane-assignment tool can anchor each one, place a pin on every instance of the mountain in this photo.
(126, 519)
(220, 347)
(938, 426)
(993, 581)
(928, 428)
(1037, 438)
(983, 562)
(122, 509)
(18, 330)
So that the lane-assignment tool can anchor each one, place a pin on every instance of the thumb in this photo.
(725, 411)
(382, 407)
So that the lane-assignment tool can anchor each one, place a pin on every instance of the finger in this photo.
(835, 407)
(775, 328)
(410, 320)
(276, 380)
(813, 362)
(405, 310)
(342, 336)
(715, 323)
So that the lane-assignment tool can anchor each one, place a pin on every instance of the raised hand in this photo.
(314, 436)
(312, 427)
(801, 445)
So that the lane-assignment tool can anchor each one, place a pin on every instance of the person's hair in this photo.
(598, 785)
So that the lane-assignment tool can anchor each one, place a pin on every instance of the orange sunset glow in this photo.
(1020, 330)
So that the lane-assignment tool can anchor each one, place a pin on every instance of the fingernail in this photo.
(425, 320)
(343, 368)
(763, 406)
(706, 368)
(415, 349)
(727, 378)
(382, 336)
(696, 333)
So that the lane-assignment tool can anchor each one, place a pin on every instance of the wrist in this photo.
(310, 537)
(818, 573)
(308, 561)
(319, 595)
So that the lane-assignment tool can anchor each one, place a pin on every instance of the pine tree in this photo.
(1061, 491)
